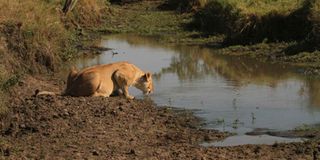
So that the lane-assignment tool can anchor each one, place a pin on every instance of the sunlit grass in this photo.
(262, 7)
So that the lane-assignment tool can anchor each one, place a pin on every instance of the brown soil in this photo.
(55, 127)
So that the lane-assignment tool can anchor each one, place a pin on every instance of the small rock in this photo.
(22, 126)
(82, 99)
(65, 112)
(113, 113)
(95, 153)
(6, 152)
(132, 151)
(257, 150)
(55, 115)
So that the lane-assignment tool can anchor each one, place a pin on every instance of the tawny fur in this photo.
(103, 80)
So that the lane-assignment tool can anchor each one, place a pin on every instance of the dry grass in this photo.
(34, 37)
(33, 32)
(88, 13)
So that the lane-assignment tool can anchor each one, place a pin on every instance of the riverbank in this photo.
(116, 128)
(259, 37)
(88, 127)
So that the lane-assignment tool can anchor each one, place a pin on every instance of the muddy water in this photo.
(231, 93)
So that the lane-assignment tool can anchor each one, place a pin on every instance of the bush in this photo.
(243, 27)
(272, 27)
(183, 5)
(315, 19)
(216, 17)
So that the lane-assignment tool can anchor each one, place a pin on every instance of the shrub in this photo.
(217, 16)
(248, 26)
(183, 5)
(315, 32)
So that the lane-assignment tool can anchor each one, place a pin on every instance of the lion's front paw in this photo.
(130, 97)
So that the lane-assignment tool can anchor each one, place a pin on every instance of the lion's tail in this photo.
(38, 93)
(72, 75)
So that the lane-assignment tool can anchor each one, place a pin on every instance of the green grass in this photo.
(263, 7)
(143, 18)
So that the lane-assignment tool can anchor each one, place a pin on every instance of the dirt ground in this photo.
(57, 127)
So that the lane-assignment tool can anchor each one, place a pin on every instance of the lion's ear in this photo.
(147, 76)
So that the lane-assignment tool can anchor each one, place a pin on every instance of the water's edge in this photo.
(233, 94)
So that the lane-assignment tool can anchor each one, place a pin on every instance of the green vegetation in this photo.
(260, 29)
(216, 17)
(263, 7)
(314, 37)
(245, 23)
(145, 18)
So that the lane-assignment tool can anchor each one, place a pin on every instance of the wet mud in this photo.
(53, 127)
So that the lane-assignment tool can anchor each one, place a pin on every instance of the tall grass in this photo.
(34, 34)
(88, 13)
(35, 30)
(35, 37)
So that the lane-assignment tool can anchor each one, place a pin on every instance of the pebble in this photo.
(95, 153)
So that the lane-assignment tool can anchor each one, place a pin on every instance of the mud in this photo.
(53, 127)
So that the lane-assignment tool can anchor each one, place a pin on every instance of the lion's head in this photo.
(145, 83)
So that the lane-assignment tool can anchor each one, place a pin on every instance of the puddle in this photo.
(231, 93)
(245, 139)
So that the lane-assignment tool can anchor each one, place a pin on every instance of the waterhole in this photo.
(231, 93)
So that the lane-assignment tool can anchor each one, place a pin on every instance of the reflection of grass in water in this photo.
(196, 62)
(308, 128)
(136, 40)
(314, 92)
(253, 118)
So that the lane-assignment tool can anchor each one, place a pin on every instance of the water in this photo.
(232, 93)
(245, 139)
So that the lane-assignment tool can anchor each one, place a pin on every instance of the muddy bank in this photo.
(115, 128)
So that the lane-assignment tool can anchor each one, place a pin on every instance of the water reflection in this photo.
(232, 93)
(197, 62)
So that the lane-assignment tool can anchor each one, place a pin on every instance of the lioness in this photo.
(104, 80)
